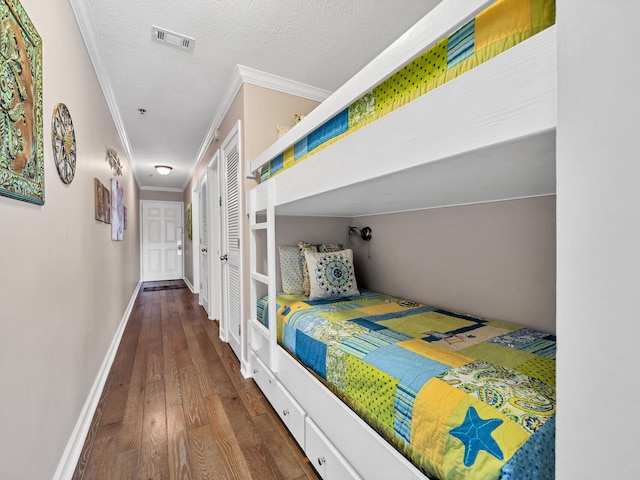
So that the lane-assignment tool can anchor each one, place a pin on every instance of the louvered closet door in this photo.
(231, 244)
(204, 244)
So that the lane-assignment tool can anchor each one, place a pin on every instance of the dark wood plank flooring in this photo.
(176, 407)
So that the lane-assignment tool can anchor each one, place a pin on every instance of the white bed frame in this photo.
(487, 135)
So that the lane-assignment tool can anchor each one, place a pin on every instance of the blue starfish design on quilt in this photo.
(475, 433)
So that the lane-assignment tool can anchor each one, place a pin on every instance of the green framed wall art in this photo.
(22, 152)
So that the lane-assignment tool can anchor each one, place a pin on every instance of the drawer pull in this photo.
(321, 461)
(285, 412)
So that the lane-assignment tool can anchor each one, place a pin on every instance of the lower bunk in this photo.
(374, 386)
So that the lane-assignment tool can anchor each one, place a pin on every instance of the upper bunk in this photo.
(482, 130)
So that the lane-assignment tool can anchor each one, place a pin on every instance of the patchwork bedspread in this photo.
(461, 397)
(499, 27)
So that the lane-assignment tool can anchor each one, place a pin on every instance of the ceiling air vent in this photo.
(173, 39)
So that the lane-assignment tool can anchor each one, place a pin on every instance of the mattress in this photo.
(461, 397)
(493, 31)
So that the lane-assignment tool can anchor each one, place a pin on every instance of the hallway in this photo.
(176, 407)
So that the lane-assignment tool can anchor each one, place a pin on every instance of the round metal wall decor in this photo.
(63, 139)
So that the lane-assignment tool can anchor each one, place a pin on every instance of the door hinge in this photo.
(220, 201)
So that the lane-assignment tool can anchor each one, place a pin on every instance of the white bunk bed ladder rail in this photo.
(257, 278)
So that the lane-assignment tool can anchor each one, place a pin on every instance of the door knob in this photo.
(204, 250)
(223, 258)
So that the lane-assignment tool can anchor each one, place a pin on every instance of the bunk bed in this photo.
(484, 132)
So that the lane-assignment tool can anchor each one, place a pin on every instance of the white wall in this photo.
(494, 260)
(64, 285)
(161, 196)
(598, 239)
(291, 230)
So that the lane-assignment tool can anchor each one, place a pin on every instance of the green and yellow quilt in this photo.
(499, 27)
(461, 397)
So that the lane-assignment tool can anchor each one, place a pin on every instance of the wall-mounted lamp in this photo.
(164, 169)
(365, 232)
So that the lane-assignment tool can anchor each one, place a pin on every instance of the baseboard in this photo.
(186, 280)
(72, 452)
(245, 370)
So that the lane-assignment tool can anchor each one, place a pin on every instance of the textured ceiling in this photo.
(321, 43)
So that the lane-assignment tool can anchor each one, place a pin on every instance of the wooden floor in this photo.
(176, 407)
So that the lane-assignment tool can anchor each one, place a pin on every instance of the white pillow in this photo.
(290, 269)
(331, 274)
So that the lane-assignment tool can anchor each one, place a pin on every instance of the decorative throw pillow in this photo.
(305, 247)
(290, 269)
(331, 274)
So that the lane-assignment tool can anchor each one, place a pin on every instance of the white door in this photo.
(203, 247)
(231, 253)
(161, 240)
(215, 267)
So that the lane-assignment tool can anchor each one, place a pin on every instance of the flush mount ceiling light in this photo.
(164, 169)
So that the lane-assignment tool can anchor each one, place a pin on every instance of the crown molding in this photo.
(280, 84)
(240, 76)
(162, 189)
(86, 25)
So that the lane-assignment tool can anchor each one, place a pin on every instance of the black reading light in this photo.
(365, 232)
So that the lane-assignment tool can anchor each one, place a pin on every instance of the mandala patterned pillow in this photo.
(331, 274)
(290, 269)
(305, 247)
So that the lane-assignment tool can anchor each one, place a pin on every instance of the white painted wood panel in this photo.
(259, 341)
(231, 257)
(214, 237)
(154, 265)
(203, 243)
(291, 413)
(161, 240)
(495, 142)
(326, 459)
